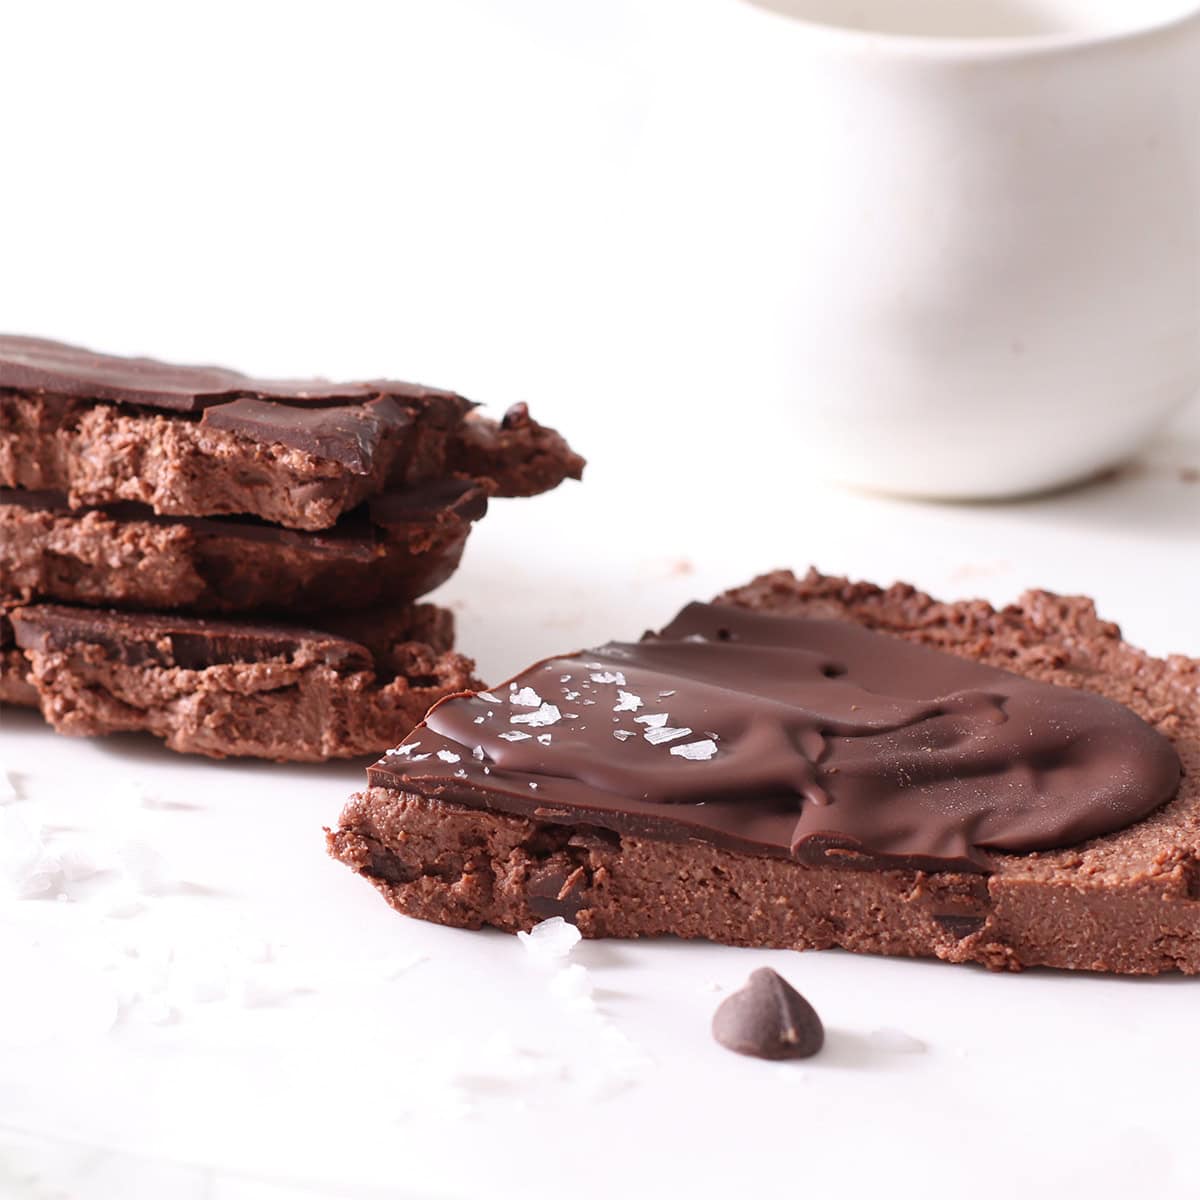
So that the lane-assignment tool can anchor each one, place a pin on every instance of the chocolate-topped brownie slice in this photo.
(347, 685)
(394, 549)
(814, 763)
(206, 441)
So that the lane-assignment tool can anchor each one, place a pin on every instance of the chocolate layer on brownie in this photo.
(202, 441)
(348, 685)
(396, 548)
(1124, 900)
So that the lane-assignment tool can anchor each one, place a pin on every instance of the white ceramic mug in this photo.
(968, 231)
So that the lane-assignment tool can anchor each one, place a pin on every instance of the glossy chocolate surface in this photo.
(794, 737)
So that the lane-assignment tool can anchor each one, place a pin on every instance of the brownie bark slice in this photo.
(398, 547)
(206, 441)
(1126, 901)
(351, 685)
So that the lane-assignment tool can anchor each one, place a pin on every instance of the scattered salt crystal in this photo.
(664, 695)
(26, 869)
(400, 751)
(75, 865)
(478, 753)
(564, 679)
(627, 702)
(662, 733)
(571, 695)
(895, 1041)
(696, 751)
(532, 786)
(460, 774)
(144, 867)
(695, 637)
(623, 735)
(608, 677)
(654, 720)
(526, 698)
(515, 735)
(480, 720)
(419, 758)
(570, 716)
(594, 666)
(547, 714)
(448, 756)
(487, 770)
(488, 697)
(551, 939)
(574, 985)
(544, 739)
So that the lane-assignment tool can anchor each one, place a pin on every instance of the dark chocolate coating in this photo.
(816, 740)
(349, 434)
(190, 643)
(38, 364)
(768, 1018)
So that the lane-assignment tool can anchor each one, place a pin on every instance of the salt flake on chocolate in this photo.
(515, 735)
(571, 695)
(623, 735)
(696, 751)
(663, 733)
(548, 714)
(478, 753)
(608, 677)
(525, 698)
(488, 697)
(544, 739)
(653, 720)
(480, 720)
(448, 756)
(400, 751)
(627, 702)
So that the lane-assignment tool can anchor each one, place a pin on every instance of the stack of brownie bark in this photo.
(232, 563)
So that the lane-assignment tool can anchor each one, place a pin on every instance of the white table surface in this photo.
(449, 192)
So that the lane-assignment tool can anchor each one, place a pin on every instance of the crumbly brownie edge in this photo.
(286, 708)
(458, 866)
(93, 558)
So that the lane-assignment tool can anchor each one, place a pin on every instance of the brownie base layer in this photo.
(1126, 903)
(127, 557)
(223, 688)
(178, 465)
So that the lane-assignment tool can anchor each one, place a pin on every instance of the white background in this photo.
(482, 196)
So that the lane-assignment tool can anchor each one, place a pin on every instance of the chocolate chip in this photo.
(768, 1018)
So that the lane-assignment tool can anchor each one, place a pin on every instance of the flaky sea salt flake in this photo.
(628, 702)
(696, 751)
(548, 714)
(623, 735)
(653, 720)
(515, 735)
(608, 677)
(478, 753)
(402, 751)
(488, 697)
(525, 698)
(448, 756)
(551, 939)
(544, 739)
(664, 733)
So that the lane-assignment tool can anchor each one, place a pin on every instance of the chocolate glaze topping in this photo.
(812, 739)
(36, 364)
